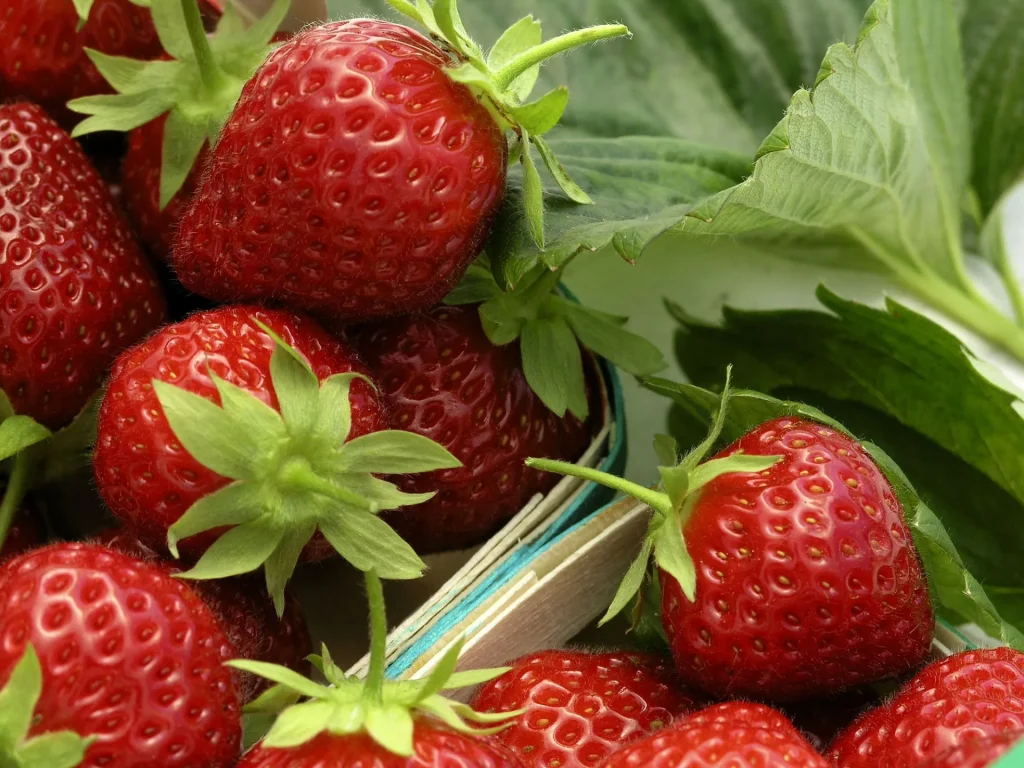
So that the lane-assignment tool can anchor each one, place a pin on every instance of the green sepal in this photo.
(539, 117)
(18, 698)
(519, 38)
(18, 433)
(183, 141)
(553, 366)
(83, 8)
(533, 193)
(570, 188)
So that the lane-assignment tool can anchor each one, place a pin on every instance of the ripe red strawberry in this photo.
(441, 377)
(735, 734)
(435, 747)
(129, 656)
(44, 50)
(269, 400)
(795, 574)
(76, 287)
(977, 753)
(245, 612)
(579, 707)
(967, 696)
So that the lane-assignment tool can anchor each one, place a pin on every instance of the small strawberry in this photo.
(44, 44)
(363, 165)
(378, 723)
(116, 660)
(734, 734)
(787, 569)
(977, 753)
(440, 377)
(579, 707)
(244, 610)
(259, 431)
(967, 696)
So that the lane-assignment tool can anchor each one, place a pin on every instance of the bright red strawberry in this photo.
(734, 734)
(244, 610)
(967, 696)
(44, 50)
(435, 747)
(977, 753)
(441, 377)
(801, 575)
(579, 707)
(128, 654)
(76, 288)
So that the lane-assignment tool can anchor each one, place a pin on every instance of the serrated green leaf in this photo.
(667, 450)
(631, 582)
(394, 452)
(208, 433)
(606, 338)
(369, 543)
(297, 390)
(18, 433)
(235, 504)
(169, 20)
(533, 195)
(540, 116)
(183, 141)
(299, 724)
(391, 726)
(18, 698)
(553, 366)
(58, 749)
(240, 550)
(518, 38)
(672, 557)
(280, 566)
(276, 673)
(715, 468)
(569, 188)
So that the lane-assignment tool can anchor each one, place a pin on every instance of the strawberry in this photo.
(440, 377)
(731, 734)
(352, 723)
(267, 399)
(579, 707)
(967, 696)
(44, 44)
(977, 753)
(75, 284)
(244, 610)
(787, 568)
(117, 661)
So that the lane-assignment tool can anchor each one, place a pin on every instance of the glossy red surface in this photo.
(807, 578)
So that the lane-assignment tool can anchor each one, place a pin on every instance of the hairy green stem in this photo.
(212, 76)
(14, 494)
(654, 499)
(297, 474)
(378, 637)
(503, 77)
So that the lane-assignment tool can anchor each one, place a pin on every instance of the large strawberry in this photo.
(244, 610)
(44, 44)
(733, 734)
(579, 707)
(967, 696)
(787, 568)
(351, 723)
(440, 377)
(363, 165)
(112, 658)
(262, 422)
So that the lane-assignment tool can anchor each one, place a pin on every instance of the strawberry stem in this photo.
(296, 473)
(14, 494)
(503, 77)
(212, 76)
(656, 500)
(378, 637)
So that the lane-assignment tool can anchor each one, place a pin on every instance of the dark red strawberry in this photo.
(735, 734)
(967, 696)
(795, 575)
(244, 610)
(441, 377)
(579, 707)
(44, 50)
(977, 753)
(76, 288)
(821, 720)
(128, 655)
(269, 400)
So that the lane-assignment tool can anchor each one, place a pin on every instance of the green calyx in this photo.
(503, 80)
(197, 89)
(550, 328)
(672, 503)
(294, 472)
(58, 749)
(382, 708)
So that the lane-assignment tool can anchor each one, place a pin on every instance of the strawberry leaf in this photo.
(667, 450)
(539, 117)
(183, 141)
(169, 20)
(282, 561)
(241, 549)
(298, 391)
(368, 543)
(18, 433)
(604, 335)
(394, 452)
(631, 583)
(391, 726)
(553, 366)
(569, 188)
(234, 504)
(533, 195)
(119, 113)
(671, 556)
(518, 38)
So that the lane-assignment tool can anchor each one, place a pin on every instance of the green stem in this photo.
(503, 77)
(378, 637)
(298, 475)
(14, 494)
(654, 499)
(213, 78)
